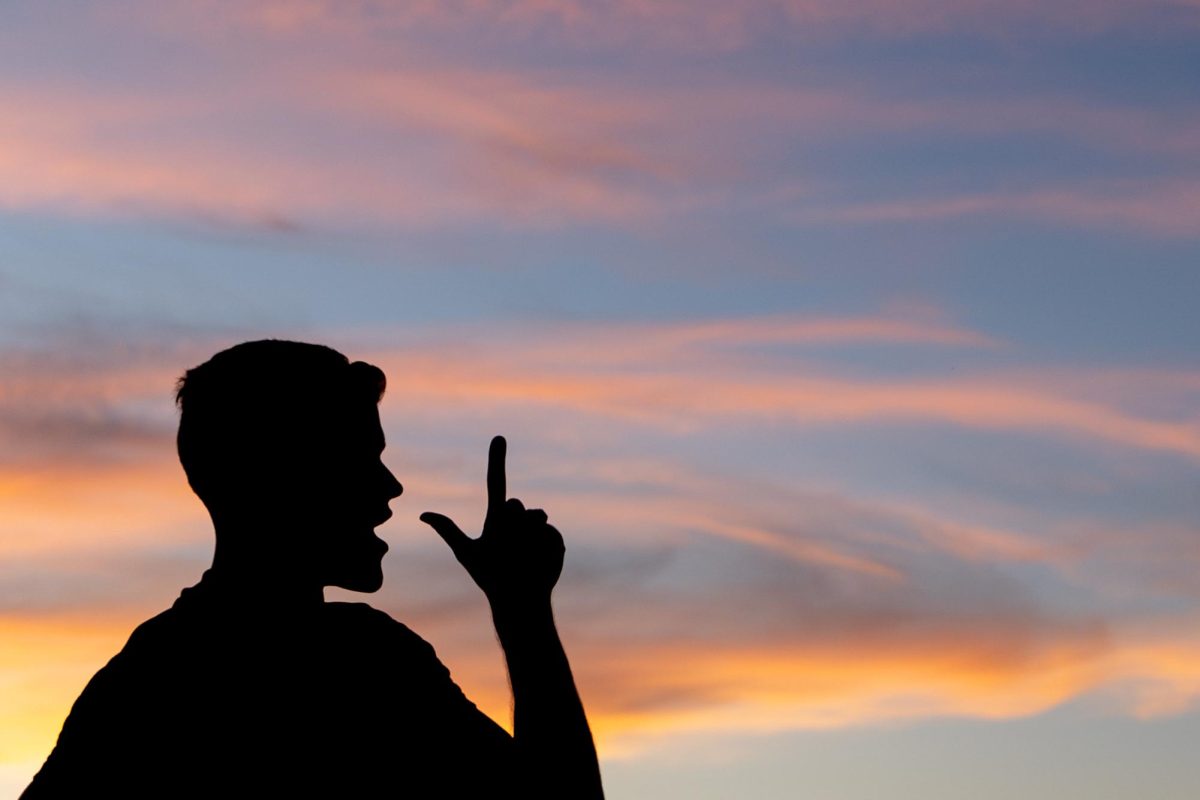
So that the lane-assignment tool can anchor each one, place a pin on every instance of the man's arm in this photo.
(516, 561)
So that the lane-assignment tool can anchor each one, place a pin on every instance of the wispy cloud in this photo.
(678, 24)
(1157, 207)
(435, 147)
(842, 607)
(425, 141)
(681, 398)
(774, 520)
(686, 375)
(1000, 675)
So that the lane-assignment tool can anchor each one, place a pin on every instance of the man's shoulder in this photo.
(158, 634)
(362, 613)
(162, 625)
(183, 639)
(367, 626)
(182, 621)
(368, 617)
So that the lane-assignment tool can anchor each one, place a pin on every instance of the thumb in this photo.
(450, 532)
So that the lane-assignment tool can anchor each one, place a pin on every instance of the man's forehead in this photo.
(356, 422)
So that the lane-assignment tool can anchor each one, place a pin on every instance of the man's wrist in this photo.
(521, 615)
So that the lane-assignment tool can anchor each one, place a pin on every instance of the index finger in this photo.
(497, 490)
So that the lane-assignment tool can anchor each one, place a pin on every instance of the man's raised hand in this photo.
(518, 557)
(516, 561)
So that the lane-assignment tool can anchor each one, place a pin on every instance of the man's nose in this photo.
(393, 487)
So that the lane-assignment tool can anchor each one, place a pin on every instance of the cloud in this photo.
(803, 689)
(681, 25)
(687, 397)
(689, 375)
(1155, 207)
(87, 444)
(99, 578)
(695, 594)
(926, 617)
(336, 140)
(790, 646)
(73, 401)
(61, 509)
(432, 147)
(781, 649)
(1157, 558)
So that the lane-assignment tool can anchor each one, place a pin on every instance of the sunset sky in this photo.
(852, 344)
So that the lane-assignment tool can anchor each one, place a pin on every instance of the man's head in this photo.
(282, 442)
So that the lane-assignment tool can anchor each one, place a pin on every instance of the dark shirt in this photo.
(219, 697)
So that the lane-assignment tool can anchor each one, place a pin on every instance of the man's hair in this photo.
(262, 403)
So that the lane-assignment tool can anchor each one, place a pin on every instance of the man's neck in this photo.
(262, 578)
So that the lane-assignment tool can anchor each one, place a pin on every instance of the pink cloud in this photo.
(677, 24)
(1007, 669)
(413, 142)
(687, 400)
(1165, 207)
(674, 376)
(420, 139)
(463, 146)
(858, 606)
(85, 439)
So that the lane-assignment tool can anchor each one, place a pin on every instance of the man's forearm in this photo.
(549, 723)
(516, 561)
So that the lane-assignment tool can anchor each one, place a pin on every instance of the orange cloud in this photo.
(688, 399)
(63, 508)
(678, 376)
(641, 694)
(642, 691)
(757, 607)
(696, 689)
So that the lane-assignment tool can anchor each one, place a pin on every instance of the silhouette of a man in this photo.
(252, 685)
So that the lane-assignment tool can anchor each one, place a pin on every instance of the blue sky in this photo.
(851, 345)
